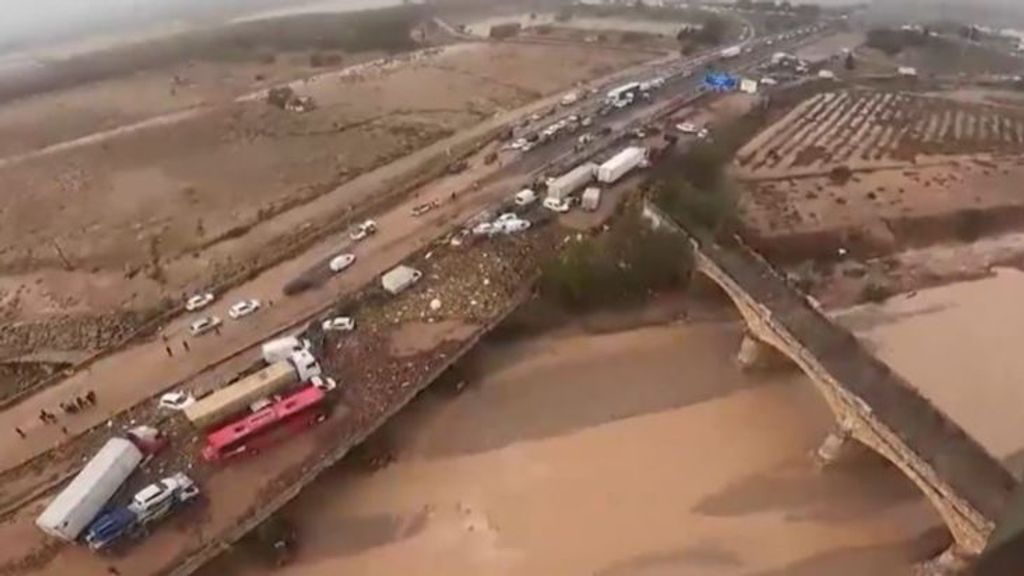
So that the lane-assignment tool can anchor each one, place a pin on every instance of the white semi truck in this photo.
(235, 398)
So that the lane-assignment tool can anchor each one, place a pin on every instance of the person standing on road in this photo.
(20, 432)
(184, 344)
(170, 354)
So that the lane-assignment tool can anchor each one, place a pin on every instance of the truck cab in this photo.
(109, 528)
(154, 501)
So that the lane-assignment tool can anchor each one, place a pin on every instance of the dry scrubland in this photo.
(94, 235)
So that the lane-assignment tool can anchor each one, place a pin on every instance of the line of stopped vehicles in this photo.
(288, 393)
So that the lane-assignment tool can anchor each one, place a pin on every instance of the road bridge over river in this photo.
(872, 404)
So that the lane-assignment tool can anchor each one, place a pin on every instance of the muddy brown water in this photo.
(639, 453)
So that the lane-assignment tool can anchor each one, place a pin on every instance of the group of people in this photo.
(79, 403)
(73, 407)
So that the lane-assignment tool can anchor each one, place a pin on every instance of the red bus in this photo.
(291, 414)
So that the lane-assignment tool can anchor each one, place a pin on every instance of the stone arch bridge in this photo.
(871, 403)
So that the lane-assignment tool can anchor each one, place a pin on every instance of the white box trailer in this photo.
(591, 199)
(400, 278)
(571, 181)
(617, 166)
(81, 501)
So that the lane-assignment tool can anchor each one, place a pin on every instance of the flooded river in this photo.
(638, 453)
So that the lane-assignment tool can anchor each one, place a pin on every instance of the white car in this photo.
(511, 226)
(339, 324)
(519, 144)
(156, 500)
(556, 205)
(525, 197)
(769, 81)
(204, 325)
(176, 401)
(243, 308)
(364, 230)
(199, 301)
(686, 128)
(507, 217)
(421, 209)
(483, 229)
(341, 262)
(324, 383)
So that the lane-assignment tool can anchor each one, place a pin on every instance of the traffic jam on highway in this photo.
(289, 391)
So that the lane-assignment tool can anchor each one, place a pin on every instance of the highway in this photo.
(215, 359)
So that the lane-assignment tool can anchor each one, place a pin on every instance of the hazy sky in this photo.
(26, 18)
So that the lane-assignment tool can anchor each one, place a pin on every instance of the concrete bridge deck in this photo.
(872, 404)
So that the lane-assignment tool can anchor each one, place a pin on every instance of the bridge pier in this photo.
(952, 562)
(756, 354)
(836, 445)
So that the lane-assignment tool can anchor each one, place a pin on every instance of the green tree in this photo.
(714, 30)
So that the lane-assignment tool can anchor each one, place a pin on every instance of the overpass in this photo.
(872, 405)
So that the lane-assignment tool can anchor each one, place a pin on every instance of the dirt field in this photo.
(122, 223)
(869, 171)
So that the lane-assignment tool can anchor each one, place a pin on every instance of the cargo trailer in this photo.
(236, 398)
(83, 499)
(620, 164)
(560, 188)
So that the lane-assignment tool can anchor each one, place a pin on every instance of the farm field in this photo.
(872, 171)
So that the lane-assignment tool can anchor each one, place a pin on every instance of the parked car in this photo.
(507, 217)
(204, 325)
(243, 308)
(341, 262)
(556, 205)
(176, 401)
(339, 324)
(363, 231)
(199, 301)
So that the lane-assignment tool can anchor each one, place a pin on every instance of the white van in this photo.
(525, 197)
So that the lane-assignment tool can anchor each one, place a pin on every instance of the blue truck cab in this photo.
(109, 528)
